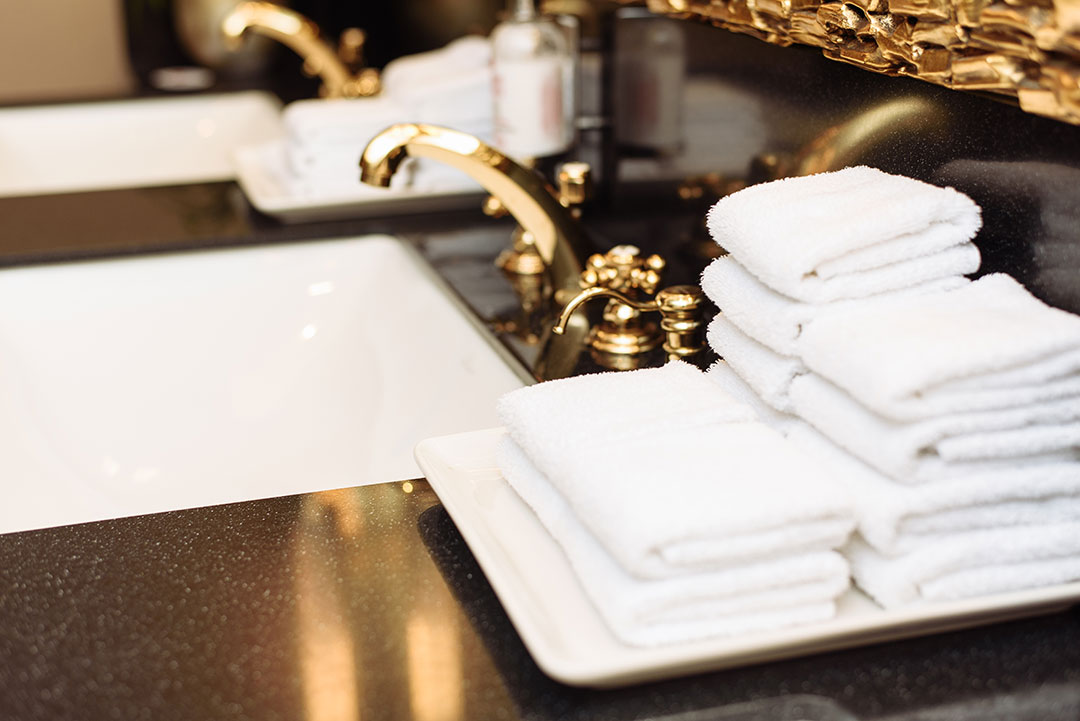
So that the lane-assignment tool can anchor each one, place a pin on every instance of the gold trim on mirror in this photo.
(1026, 49)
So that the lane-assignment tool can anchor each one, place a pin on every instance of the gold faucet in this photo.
(558, 237)
(680, 309)
(302, 36)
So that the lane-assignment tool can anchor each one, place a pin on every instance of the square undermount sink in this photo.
(158, 383)
(130, 143)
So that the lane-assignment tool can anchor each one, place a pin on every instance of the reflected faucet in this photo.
(303, 37)
(558, 236)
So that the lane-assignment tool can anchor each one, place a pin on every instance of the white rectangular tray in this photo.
(568, 638)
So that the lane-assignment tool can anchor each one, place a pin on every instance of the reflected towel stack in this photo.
(958, 402)
(683, 516)
(449, 87)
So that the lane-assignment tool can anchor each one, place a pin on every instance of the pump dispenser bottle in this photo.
(533, 66)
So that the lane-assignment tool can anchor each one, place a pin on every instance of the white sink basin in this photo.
(152, 384)
(132, 143)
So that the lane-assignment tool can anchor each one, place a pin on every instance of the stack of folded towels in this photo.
(683, 516)
(949, 408)
(450, 87)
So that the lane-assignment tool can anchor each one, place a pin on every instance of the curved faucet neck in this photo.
(559, 238)
(303, 37)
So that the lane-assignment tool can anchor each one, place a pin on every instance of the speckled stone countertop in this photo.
(365, 603)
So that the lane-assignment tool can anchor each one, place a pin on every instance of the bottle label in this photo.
(531, 113)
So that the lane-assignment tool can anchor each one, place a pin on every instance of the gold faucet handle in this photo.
(351, 48)
(680, 308)
(622, 268)
(365, 82)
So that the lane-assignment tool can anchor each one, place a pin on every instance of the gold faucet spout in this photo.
(559, 238)
(303, 37)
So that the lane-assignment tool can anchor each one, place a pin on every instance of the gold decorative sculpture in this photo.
(1026, 49)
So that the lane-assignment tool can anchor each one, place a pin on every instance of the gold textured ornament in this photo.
(1028, 50)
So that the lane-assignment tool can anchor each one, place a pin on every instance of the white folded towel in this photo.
(725, 376)
(757, 596)
(454, 67)
(799, 236)
(768, 373)
(775, 320)
(971, 564)
(628, 407)
(670, 492)
(895, 518)
(987, 345)
(944, 446)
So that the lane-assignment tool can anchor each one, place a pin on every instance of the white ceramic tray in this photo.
(262, 174)
(568, 638)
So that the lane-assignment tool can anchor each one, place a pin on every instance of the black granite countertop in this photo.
(365, 603)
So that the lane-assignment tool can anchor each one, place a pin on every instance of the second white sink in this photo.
(152, 384)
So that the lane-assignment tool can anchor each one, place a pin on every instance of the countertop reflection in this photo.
(365, 603)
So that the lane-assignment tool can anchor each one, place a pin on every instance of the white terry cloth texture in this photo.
(629, 406)
(942, 446)
(965, 565)
(768, 373)
(775, 320)
(988, 345)
(725, 376)
(448, 67)
(651, 487)
(896, 519)
(768, 594)
(798, 236)
(980, 442)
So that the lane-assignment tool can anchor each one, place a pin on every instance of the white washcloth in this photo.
(988, 345)
(942, 446)
(799, 236)
(666, 496)
(775, 320)
(725, 376)
(971, 564)
(627, 407)
(453, 72)
(896, 519)
(739, 599)
(768, 373)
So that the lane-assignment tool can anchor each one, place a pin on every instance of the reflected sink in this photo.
(130, 143)
(141, 385)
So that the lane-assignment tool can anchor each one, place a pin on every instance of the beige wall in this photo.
(59, 49)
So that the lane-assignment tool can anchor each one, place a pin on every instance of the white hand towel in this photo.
(988, 345)
(800, 237)
(452, 67)
(965, 565)
(629, 407)
(942, 446)
(896, 519)
(666, 496)
(738, 599)
(768, 373)
(725, 376)
(775, 320)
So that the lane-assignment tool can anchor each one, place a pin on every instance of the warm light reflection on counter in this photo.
(435, 670)
(326, 652)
